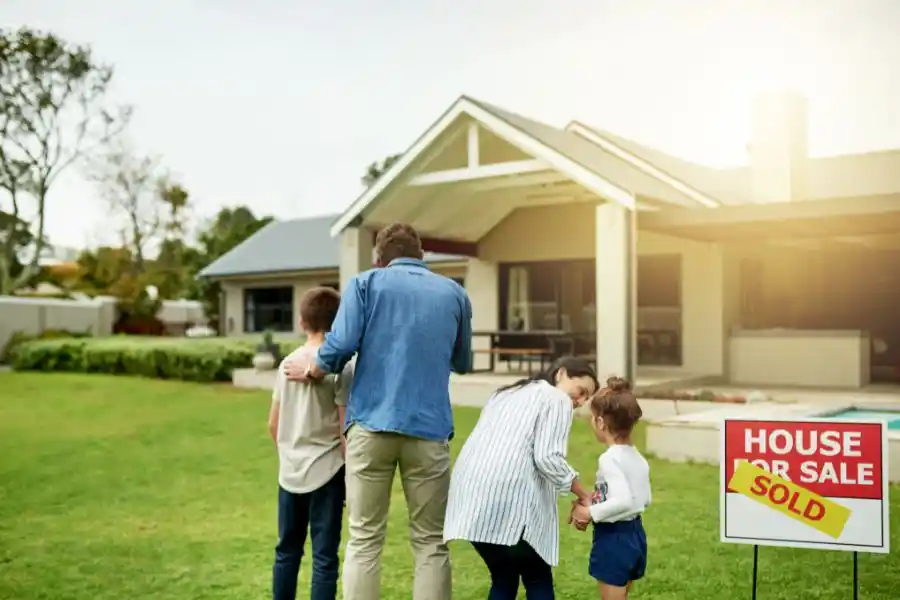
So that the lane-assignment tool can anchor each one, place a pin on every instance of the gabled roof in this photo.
(569, 153)
(602, 161)
(288, 247)
(707, 181)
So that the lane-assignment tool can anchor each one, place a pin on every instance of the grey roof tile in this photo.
(289, 246)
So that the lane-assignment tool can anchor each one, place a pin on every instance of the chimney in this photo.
(778, 148)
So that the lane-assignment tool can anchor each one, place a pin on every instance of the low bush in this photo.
(20, 337)
(139, 325)
(211, 359)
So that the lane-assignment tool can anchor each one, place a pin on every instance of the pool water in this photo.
(892, 417)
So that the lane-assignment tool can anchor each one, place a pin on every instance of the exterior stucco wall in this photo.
(566, 232)
(301, 282)
(234, 297)
(706, 309)
(558, 232)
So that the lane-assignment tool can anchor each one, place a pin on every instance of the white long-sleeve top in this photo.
(511, 470)
(622, 490)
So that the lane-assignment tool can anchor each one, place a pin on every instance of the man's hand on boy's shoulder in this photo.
(302, 368)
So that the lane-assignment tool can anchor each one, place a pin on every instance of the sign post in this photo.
(810, 483)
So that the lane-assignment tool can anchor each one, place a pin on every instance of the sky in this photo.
(281, 105)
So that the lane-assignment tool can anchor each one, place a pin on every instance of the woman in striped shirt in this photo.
(505, 484)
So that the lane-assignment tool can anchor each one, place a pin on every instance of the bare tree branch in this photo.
(129, 183)
(53, 113)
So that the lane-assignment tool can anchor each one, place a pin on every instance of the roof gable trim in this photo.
(525, 142)
(642, 165)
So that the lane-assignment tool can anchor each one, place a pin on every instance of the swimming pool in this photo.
(864, 414)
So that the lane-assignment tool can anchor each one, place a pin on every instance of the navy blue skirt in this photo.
(619, 552)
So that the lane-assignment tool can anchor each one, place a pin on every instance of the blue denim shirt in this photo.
(409, 327)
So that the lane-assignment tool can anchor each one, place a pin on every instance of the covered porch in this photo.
(811, 288)
(548, 219)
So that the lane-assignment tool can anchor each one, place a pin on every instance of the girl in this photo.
(622, 494)
(509, 474)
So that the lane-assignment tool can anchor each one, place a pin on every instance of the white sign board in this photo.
(810, 483)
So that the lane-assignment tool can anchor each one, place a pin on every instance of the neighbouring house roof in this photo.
(287, 247)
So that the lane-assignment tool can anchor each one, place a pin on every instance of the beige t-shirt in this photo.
(309, 427)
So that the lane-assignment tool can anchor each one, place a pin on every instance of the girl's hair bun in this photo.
(618, 384)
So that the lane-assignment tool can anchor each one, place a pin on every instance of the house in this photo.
(264, 277)
(785, 271)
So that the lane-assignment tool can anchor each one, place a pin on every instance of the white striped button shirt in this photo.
(511, 470)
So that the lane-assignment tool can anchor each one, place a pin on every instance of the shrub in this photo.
(20, 337)
(211, 359)
(139, 325)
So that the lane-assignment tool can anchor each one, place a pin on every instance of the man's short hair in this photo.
(318, 308)
(398, 240)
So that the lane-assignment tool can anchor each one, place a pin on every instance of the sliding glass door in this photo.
(562, 296)
(530, 297)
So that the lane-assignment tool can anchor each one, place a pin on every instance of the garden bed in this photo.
(693, 396)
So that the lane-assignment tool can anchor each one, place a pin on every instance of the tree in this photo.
(375, 170)
(53, 113)
(14, 234)
(173, 267)
(174, 198)
(100, 269)
(230, 227)
(129, 183)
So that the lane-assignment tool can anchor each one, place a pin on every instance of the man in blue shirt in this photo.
(408, 327)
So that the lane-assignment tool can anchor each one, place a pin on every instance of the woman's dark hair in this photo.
(574, 366)
(617, 406)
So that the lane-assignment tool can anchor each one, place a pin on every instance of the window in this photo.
(659, 280)
(659, 309)
(530, 295)
(268, 309)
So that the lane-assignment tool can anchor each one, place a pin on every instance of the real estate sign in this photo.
(810, 483)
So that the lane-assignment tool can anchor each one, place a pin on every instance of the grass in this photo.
(117, 488)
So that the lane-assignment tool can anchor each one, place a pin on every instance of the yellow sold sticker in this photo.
(790, 499)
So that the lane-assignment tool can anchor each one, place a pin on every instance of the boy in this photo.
(306, 423)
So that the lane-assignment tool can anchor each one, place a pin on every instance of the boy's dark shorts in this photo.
(619, 552)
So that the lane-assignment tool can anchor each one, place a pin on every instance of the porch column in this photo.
(482, 286)
(357, 244)
(704, 287)
(616, 266)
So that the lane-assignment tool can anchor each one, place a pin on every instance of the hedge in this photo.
(211, 359)
(20, 337)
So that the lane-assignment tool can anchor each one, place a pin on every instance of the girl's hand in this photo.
(581, 516)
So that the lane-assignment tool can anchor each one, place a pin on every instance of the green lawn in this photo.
(113, 487)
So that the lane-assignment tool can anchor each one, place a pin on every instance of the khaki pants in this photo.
(372, 458)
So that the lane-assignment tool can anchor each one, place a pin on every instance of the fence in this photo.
(34, 315)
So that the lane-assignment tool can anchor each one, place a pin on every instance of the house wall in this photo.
(557, 232)
(567, 232)
(233, 290)
(233, 318)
